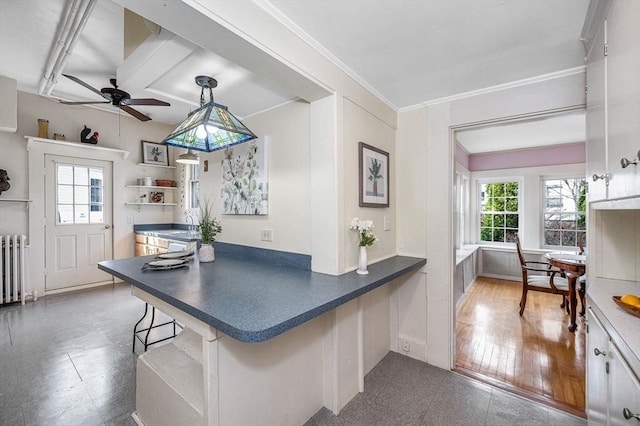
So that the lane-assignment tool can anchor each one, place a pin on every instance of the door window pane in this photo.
(79, 194)
(564, 218)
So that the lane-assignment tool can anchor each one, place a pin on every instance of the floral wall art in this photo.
(374, 176)
(244, 188)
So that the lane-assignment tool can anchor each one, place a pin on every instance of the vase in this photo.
(206, 253)
(362, 262)
(43, 128)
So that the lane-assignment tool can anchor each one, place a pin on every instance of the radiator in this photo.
(12, 269)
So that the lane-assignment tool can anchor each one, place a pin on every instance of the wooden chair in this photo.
(550, 282)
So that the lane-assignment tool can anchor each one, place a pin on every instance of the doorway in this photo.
(534, 355)
(78, 218)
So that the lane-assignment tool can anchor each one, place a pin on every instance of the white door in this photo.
(78, 221)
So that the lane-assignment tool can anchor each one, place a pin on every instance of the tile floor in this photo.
(67, 360)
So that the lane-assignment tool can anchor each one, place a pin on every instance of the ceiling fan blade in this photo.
(146, 101)
(137, 114)
(82, 83)
(84, 102)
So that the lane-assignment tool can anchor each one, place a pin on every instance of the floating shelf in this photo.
(32, 141)
(16, 200)
(151, 204)
(156, 165)
(170, 188)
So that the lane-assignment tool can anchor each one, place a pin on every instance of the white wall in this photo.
(120, 132)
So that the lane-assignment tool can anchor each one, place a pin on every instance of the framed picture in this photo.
(156, 197)
(373, 166)
(154, 153)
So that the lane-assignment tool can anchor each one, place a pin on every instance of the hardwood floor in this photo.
(534, 355)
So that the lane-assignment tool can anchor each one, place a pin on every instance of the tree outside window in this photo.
(564, 219)
(499, 218)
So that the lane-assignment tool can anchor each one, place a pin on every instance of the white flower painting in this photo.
(245, 178)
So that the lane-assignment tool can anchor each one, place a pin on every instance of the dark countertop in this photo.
(253, 301)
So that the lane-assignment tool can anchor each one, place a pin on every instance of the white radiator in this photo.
(12, 269)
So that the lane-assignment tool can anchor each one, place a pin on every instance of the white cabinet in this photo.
(624, 391)
(596, 123)
(597, 346)
(613, 103)
(613, 391)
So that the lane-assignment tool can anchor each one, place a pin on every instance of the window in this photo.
(192, 186)
(564, 211)
(499, 216)
(79, 194)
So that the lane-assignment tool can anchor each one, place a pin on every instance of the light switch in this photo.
(387, 223)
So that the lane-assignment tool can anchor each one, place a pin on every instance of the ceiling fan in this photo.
(116, 97)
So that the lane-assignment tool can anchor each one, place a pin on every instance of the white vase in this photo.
(206, 253)
(362, 262)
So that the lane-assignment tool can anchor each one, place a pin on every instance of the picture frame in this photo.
(156, 197)
(154, 153)
(373, 167)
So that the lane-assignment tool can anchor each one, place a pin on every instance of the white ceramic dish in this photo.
(176, 254)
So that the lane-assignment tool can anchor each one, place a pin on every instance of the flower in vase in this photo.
(363, 229)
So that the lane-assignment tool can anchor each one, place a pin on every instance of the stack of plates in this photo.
(164, 264)
(187, 255)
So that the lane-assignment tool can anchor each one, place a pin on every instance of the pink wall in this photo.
(546, 156)
(462, 157)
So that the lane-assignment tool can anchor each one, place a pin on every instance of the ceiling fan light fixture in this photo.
(210, 127)
(188, 158)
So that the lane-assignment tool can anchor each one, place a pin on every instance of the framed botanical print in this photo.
(373, 166)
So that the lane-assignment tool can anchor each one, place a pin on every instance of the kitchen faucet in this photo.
(188, 215)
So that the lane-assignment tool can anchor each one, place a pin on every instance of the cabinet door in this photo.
(623, 96)
(624, 391)
(597, 342)
(596, 117)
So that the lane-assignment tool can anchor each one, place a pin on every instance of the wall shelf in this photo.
(32, 141)
(16, 200)
(151, 204)
(170, 188)
(156, 165)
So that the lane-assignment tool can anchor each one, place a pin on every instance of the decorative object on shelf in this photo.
(209, 227)
(143, 198)
(209, 128)
(154, 153)
(84, 136)
(373, 166)
(244, 187)
(4, 181)
(147, 181)
(366, 238)
(43, 128)
(166, 182)
(59, 137)
(156, 196)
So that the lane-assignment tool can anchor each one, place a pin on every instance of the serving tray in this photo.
(633, 310)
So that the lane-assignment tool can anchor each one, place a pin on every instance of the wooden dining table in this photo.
(574, 266)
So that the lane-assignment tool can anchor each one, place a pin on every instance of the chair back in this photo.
(581, 242)
(520, 255)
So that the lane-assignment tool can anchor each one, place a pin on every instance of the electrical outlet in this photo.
(406, 346)
(386, 225)
(266, 234)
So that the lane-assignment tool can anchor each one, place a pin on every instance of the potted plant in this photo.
(209, 227)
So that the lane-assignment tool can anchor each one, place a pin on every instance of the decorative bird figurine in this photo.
(84, 136)
(4, 181)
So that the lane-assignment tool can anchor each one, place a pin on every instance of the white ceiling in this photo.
(407, 51)
(556, 129)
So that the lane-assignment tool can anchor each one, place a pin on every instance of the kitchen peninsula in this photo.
(265, 343)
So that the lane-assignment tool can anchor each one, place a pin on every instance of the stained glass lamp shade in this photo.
(210, 127)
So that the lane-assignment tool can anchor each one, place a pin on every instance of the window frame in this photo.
(543, 211)
(189, 171)
(478, 210)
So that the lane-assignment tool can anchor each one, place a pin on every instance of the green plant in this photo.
(208, 225)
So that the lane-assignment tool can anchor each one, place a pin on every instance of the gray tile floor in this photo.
(67, 360)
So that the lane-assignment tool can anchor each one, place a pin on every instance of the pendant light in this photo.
(209, 128)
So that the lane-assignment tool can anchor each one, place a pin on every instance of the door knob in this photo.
(599, 352)
(107, 226)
